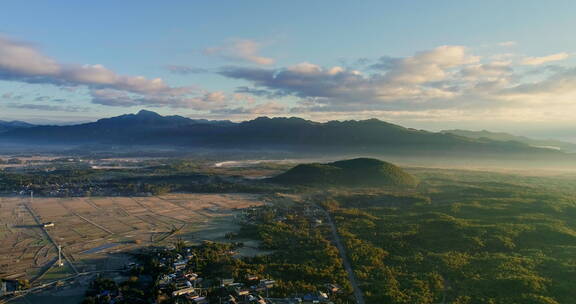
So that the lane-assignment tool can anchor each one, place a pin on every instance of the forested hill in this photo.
(149, 128)
(351, 172)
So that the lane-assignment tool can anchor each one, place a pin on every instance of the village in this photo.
(180, 276)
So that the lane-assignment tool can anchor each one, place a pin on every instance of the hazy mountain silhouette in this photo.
(295, 134)
(500, 136)
(11, 125)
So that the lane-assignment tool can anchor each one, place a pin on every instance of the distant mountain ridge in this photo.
(283, 134)
(11, 125)
(153, 119)
(501, 136)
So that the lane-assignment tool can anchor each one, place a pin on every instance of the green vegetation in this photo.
(300, 259)
(412, 236)
(73, 178)
(304, 258)
(463, 238)
(353, 172)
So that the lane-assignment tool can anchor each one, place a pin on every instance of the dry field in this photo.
(94, 232)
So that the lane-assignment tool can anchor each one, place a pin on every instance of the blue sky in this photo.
(503, 65)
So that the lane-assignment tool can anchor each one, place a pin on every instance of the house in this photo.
(267, 283)
(250, 277)
(164, 280)
(183, 291)
(48, 224)
(191, 276)
(180, 265)
(239, 290)
(197, 299)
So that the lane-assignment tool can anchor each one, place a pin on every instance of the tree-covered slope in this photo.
(353, 172)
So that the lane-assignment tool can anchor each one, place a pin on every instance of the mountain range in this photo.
(285, 134)
(500, 136)
(11, 125)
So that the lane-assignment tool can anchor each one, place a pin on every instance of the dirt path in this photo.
(47, 235)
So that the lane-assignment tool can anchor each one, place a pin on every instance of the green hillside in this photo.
(353, 172)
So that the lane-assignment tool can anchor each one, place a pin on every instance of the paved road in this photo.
(347, 266)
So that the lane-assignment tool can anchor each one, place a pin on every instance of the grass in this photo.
(58, 273)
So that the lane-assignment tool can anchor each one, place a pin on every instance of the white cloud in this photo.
(21, 59)
(22, 62)
(410, 79)
(429, 66)
(446, 83)
(545, 59)
(240, 50)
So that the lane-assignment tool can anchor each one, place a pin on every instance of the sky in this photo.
(497, 65)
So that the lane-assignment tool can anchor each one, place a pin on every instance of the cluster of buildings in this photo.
(181, 282)
(240, 293)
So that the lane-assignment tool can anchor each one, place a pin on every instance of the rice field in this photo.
(95, 231)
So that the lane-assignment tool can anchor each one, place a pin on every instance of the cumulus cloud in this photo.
(240, 50)
(445, 81)
(429, 66)
(20, 61)
(410, 79)
(545, 59)
(303, 80)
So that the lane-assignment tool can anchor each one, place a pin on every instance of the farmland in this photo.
(95, 232)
